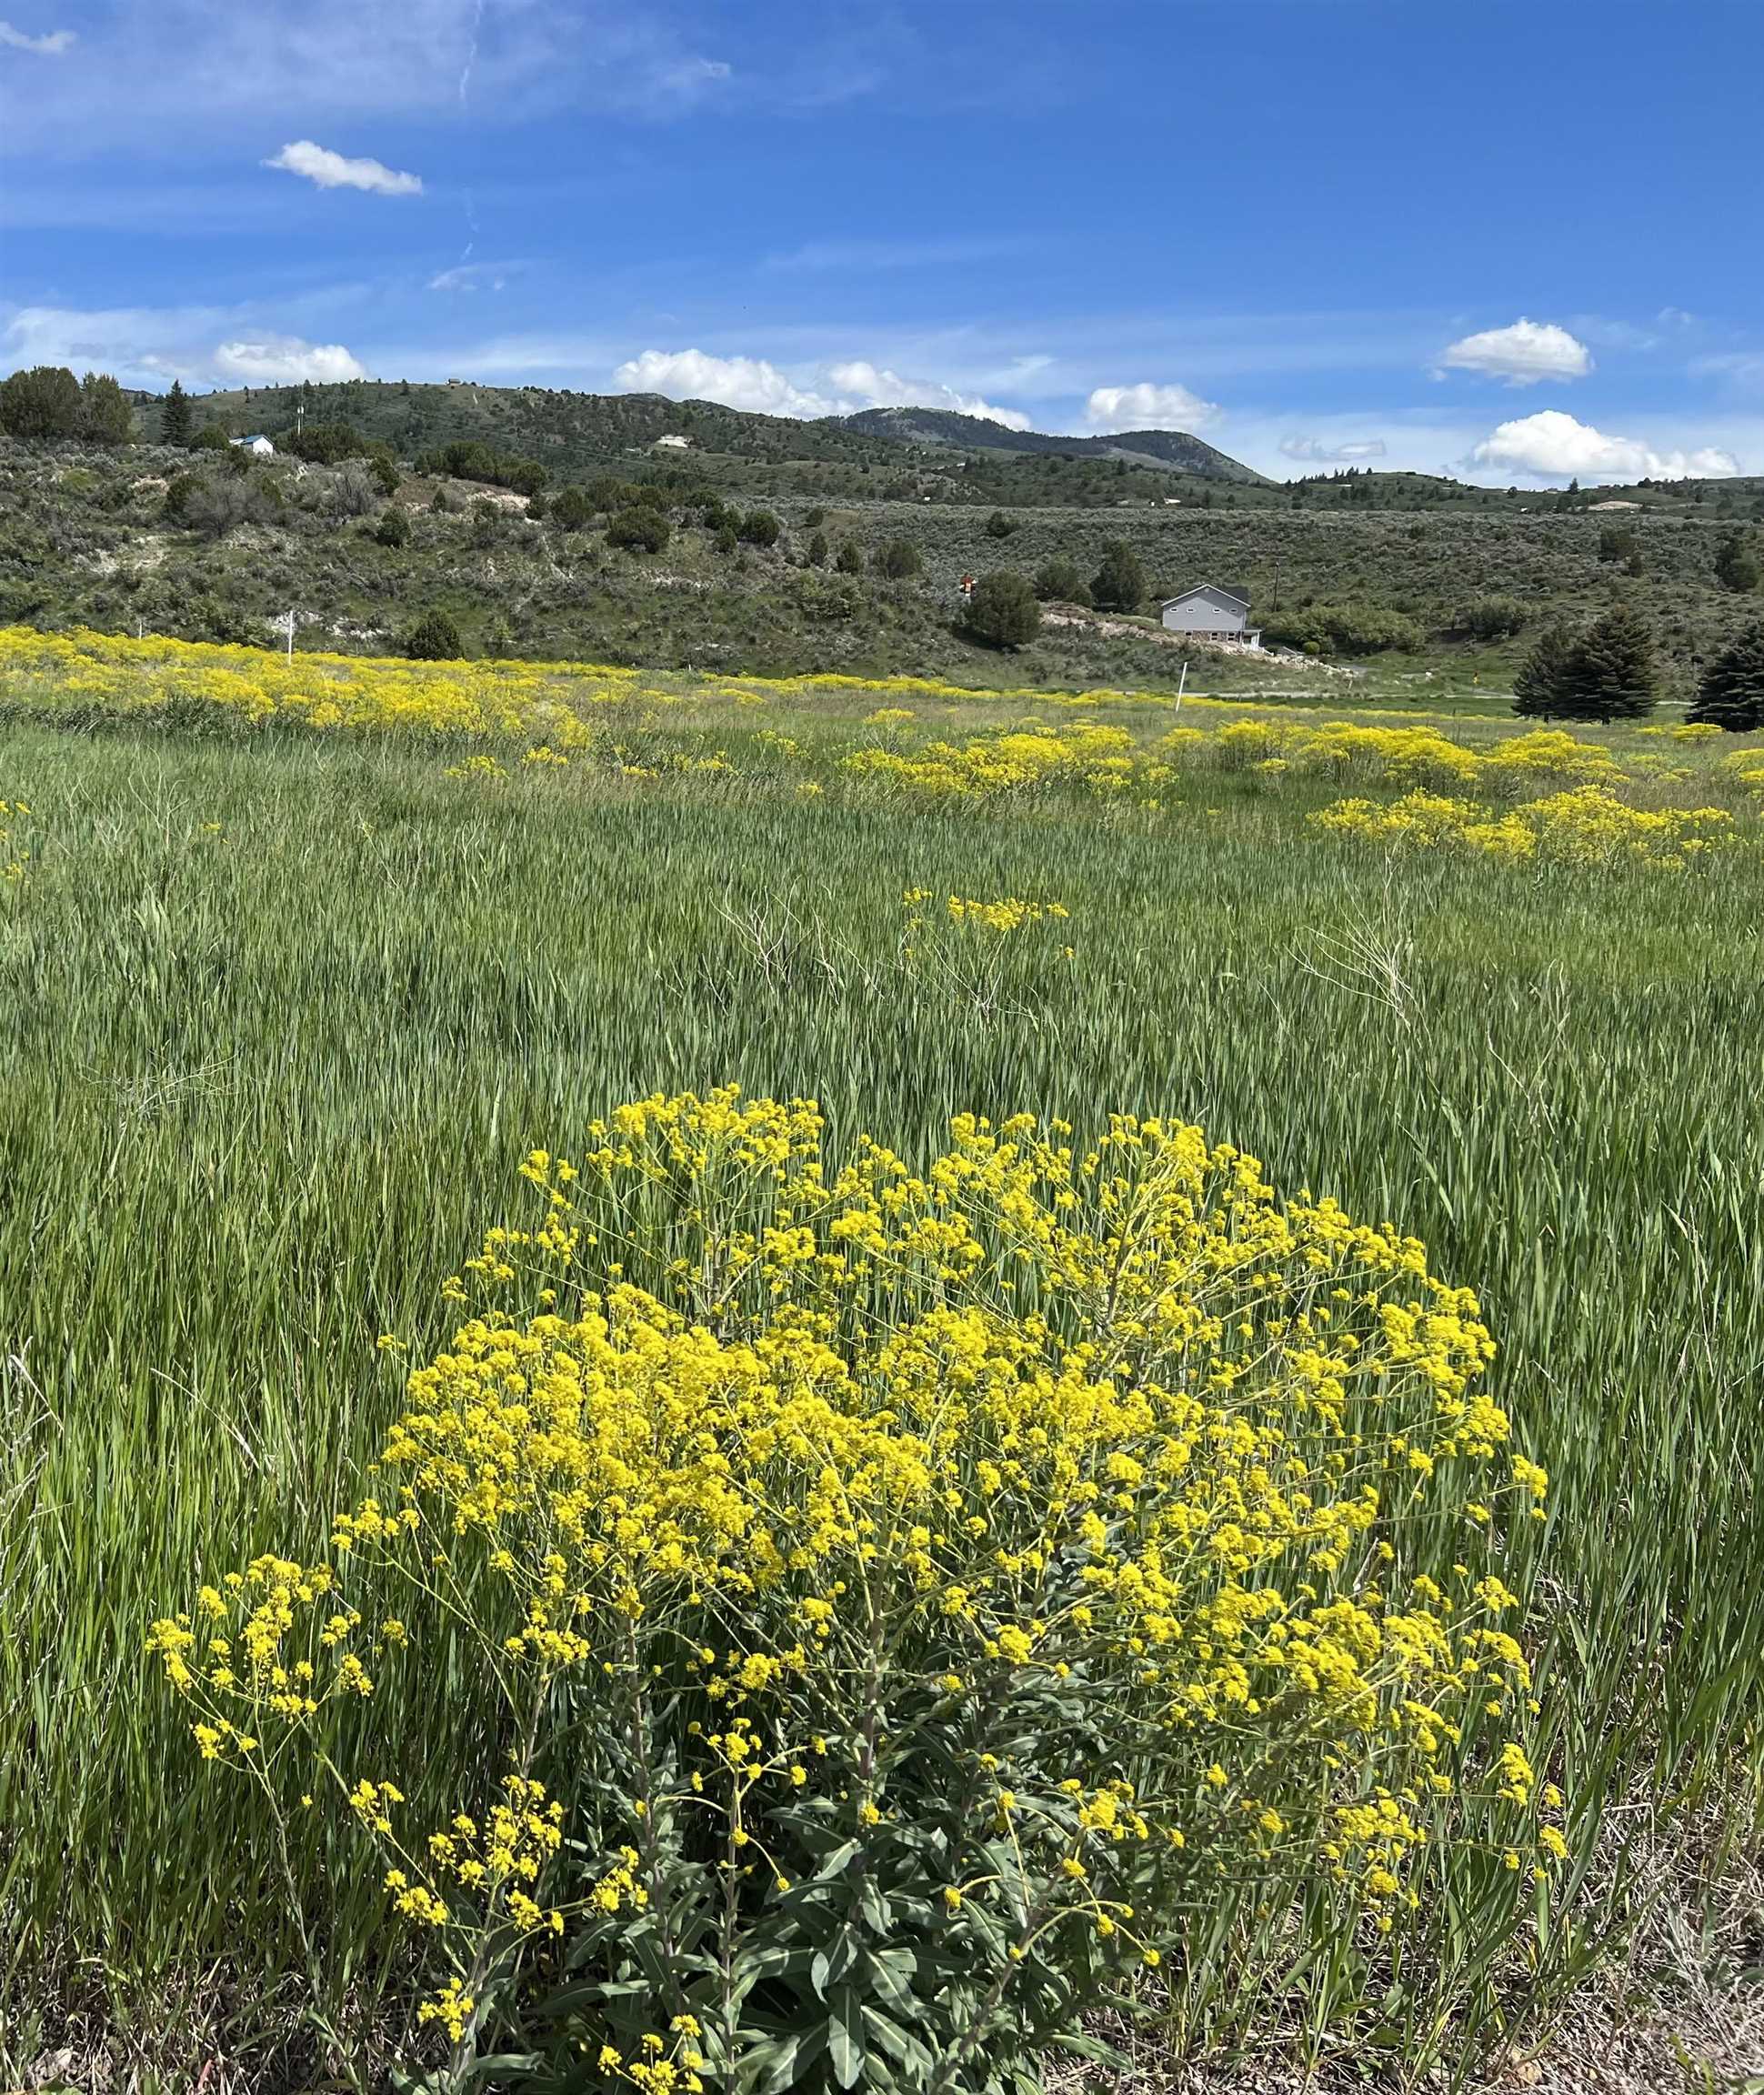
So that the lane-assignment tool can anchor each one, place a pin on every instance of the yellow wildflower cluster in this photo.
(1107, 1393)
(657, 2065)
(1087, 754)
(1417, 756)
(770, 1443)
(1748, 766)
(546, 703)
(1010, 914)
(1586, 826)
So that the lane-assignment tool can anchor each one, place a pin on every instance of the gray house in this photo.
(1212, 613)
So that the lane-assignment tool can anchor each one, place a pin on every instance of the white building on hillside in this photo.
(258, 447)
(1211, 612)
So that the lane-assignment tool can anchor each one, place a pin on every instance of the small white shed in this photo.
(258, 447)
(1212, 612)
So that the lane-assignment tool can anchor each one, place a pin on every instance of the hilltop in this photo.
(1164, 450)
(890, 453)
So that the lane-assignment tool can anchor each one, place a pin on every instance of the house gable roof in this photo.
(1200, 589)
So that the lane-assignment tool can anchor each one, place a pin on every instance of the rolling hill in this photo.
(1168, 450)
(892, 453)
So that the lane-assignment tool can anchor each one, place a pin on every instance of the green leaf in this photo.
(844, 2032)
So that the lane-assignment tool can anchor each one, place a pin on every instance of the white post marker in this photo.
(1182, 686)
(286, 624)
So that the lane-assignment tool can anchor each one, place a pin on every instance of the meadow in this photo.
(299, 963)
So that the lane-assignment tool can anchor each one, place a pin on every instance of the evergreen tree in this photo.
(1120, 583)
(816, 554)
(434, 638)
(1731, 693)
(105, 416)
(176, 417)
(1003, 610)
(1735, 565)
(1542, 689)
(42, 405)
(1059, 581)
(850, 560)
(1613, 675)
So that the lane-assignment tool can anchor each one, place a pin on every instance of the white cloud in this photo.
(1555, 446)
(332, 171)
(286, 360)
(150, 346)
(759, 387)
(473, 277)
(1522, 353)
(1313, 451)
(1148, 406)
(885, 388)
(53, 45)
(748, 383)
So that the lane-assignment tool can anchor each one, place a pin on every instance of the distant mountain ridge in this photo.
(1172, 448)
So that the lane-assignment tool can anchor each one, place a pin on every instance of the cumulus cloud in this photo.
(1148, 406)
(759, 387)
(1555, 446)
(880, 387)
(749, 383)
(286, 360)
(1313, 451)
(52, 46)
(331, 170)
(1521, 355)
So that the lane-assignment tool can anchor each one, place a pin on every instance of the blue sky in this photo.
(1513, 241)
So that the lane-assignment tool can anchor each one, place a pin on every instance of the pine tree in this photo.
(176, 418)
(1731, 693)
(1612, 672)
(1542, 689)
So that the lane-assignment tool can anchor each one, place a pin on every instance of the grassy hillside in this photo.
(911, 454)
(100, 539)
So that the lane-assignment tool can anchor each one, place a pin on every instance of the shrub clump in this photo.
(1003, 610)
(890, 1606)
(642, 528)
(433, 637)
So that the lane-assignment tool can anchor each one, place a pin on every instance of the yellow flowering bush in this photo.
(1088, 755)
(900, 1599)
(1418, 756)
(1587, 827)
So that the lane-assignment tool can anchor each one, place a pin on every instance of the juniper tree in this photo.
(1120, 583)
(1002, 611)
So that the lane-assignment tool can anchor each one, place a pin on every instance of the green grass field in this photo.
(280, 1014)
